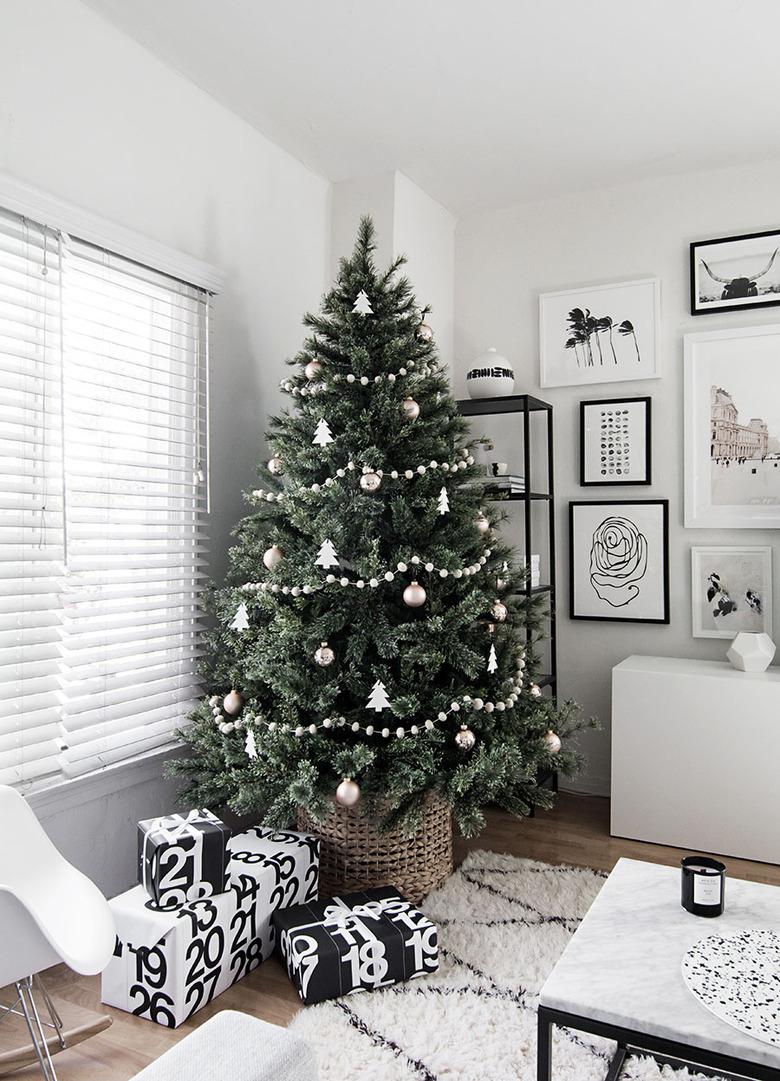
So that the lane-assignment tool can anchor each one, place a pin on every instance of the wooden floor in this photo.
(576, 832)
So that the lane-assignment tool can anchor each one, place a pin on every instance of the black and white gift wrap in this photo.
(169, 964)
(182, 858)
(359, 942)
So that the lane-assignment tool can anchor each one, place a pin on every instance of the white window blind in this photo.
(103, 422)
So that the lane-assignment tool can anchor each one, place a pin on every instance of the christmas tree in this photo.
(389, 642)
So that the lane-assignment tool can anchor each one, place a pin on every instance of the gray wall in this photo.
(504, 259)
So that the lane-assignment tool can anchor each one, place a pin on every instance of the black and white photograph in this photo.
(732, 411)
(615, 441)
(731, 590)
(735, 273)
(599, 333)
(619, 562)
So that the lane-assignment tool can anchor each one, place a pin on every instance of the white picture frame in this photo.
(731, 590)
(732, 428)
(615, 339)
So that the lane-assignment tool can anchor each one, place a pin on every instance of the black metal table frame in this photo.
(630, 1041)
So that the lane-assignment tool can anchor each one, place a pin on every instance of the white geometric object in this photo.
(751, 651)
(378, 699)
(492, 665)
(322, 434)
(240, 621)
(444, 503)
(327, 556)
(491, 376)
(362, 305)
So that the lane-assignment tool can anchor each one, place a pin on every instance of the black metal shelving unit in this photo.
(525, 405)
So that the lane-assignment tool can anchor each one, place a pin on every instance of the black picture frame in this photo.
(608, 617)
(727, 304)
(647, 401)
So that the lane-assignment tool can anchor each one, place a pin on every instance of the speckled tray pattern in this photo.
(738, 979)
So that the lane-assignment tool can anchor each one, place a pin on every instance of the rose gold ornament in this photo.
(411, 408)
(324, 655)
(369, 482)
(313, 369)
(275, 466)
(498, 611)
(553, 741)
(232, 702)
(465, 738)
(414, 595)
(424, 332)
(348, 792)
(272, 556)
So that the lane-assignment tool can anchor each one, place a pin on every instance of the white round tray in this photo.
(738, 979)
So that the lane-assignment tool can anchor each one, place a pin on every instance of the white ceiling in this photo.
(484, 102)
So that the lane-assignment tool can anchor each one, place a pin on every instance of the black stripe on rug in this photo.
(379, 1040)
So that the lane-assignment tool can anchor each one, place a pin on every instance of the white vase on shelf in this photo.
(491, 376)
(751, 651)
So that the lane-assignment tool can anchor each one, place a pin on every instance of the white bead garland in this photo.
(311, 389)
(261, 495)
(374, 581)
(225, 726)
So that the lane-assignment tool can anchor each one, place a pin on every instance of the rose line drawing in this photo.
(618, 561)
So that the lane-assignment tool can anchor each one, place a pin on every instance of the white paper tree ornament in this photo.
(322, 434)
(327, 557)
(250, 746)
(362, 305)
(240, 621)
(378, 699)
(492, 665)
(444, 503)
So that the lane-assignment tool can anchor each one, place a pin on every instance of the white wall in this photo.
(408, 222)
(504, 259)
(90, 116)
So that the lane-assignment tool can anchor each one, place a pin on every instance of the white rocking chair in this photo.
(49, 913)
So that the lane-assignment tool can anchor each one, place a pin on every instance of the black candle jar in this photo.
(703, 885)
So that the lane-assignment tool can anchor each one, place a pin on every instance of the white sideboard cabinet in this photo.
(696, 756)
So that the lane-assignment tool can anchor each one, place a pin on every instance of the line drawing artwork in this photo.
(586, 330)
(618, 561)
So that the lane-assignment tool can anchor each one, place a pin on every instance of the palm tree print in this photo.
(626, 328)
(584, 328)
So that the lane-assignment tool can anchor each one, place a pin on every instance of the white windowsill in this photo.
(61, 797)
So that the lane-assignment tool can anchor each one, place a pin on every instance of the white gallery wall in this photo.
(504, 259)
(93, 118)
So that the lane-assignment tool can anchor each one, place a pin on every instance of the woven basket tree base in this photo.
(356, 855)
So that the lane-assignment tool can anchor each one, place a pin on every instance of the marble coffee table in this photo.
(620, 975)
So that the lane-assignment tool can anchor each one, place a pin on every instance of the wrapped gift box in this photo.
(182, 857)
(358, 942)
(167, 964)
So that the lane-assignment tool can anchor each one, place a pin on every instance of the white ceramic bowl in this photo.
(491, 376)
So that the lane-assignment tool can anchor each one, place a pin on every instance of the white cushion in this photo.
(233, 1046)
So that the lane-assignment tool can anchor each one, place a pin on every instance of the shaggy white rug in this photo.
(503, 922)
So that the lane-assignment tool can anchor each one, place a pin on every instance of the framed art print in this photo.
(615, 443)
(619, 560)
(732, 428)
(735, 273)
(599, 333)
(731, 590)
